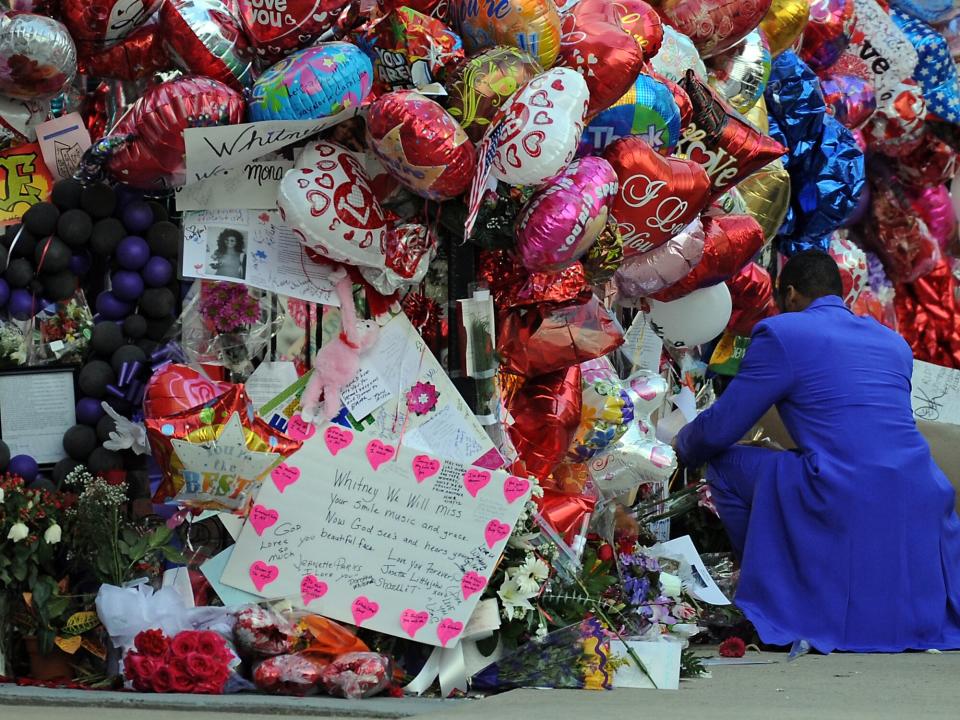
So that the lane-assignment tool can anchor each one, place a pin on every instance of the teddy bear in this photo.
(337, 362)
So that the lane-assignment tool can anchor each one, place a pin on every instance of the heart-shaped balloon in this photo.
(677, 55)
(766, 197)
(713, 25)
(784, 22)
(421, 145)
(479, 86)
(561, 222)
(658, 196)
(98, 24)
(530, 25)
(852, 262)
(546, 412)
(852, 100)
(718, 138)
(207, 40)
(642, 275)
(314, 83)
(827, 33)
(539, 128)
(326, 199)
(155, 158)
(608, 57)
(276, 27)
(751, 294)
(140, 54)
(731, 242)
(648, 110)
(635, 16)
(741, 73)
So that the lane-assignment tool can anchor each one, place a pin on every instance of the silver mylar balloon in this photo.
(741, 73)
(37, 56)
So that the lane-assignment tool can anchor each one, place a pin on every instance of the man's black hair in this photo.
(811, 273)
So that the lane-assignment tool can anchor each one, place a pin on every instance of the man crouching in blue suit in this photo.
(850, 542)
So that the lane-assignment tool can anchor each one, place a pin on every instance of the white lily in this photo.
(670, 585)
(18, 532)
(53, 534)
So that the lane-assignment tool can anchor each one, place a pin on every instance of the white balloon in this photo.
(694, 319)
(541, 128)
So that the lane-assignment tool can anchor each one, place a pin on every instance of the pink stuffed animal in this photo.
(337, 362)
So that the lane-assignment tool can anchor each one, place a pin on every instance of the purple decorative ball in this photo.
(24, 466)
(4, 292)
(133, 252)
(157, 272)
(80, 264)
(111, 307)
(89, 411)
(127, 285)
(23, 305)
(138, 216)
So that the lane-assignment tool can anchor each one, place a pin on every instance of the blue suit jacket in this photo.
(853, 540)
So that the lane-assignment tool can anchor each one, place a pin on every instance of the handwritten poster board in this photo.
(252, 186)
(382, 537)
(936, 393)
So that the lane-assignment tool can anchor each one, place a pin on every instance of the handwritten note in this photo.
(936, 393)
(365, 393)
(272, 257)
(641, 345)
(212, 151)
(251, 186)
(63, 141)
(381, 536)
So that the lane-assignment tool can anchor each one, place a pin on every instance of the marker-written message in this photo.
(378, 536)
(935, 394)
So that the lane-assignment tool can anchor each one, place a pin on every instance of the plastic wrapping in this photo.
(297, 675)
(357, 675)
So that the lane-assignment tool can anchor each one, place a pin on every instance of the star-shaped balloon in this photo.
(936, 72)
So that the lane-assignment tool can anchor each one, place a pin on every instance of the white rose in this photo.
(1, 495)
(18, 532)
(670, 585)
(52, 535)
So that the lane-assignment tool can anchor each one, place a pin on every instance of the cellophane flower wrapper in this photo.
(357, 675)
(61, 332)
(574, 657)
(297, 675)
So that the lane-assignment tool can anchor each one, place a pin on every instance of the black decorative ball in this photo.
(25, 246)
(157, 329)
(41, 219)
(66, 194)
(105, 426)
(135, 326)
(64, 468)
(159, 211)
(106, 339)
(157, 303)
(148, 346)
(102, 460)
(94, 378)
(75, 228)
(106, 235)
(19, 273)
(99, 200)
(127, 354)
(164, 239)
(58, 286)
(51, 255)
(4, 456)
(79, 441)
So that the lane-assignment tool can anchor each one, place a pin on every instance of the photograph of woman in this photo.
(228, 258)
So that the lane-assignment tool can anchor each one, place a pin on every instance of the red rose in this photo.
(605, 553)
(181, 682)
(151, 642)
(212, 645)
(138, 669)
(732, 647)
(185, 643)
(203, 667)
(209, 687)
(179, 664)
(162, 679)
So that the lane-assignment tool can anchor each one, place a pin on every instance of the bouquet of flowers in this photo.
(193, 661)
(652, 596)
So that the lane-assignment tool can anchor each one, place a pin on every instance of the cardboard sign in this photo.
(25, 181)
(376, 535)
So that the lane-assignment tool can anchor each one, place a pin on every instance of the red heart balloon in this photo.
(731, 242)
(98, 24)
(635, 16)
(714, 25)
(608, 58)
(751, 291)
(727, 146)
(276, 27)
(658, 196)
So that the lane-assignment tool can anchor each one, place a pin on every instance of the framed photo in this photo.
(37, 406)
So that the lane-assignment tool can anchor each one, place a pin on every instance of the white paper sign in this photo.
(254, 248)
(252, 186)
(661, 658)
(935, 396)
(36, 409)
(269, 380)
(641, 345)
(378, 536)
(696, 578)
(211, 151)
(63, 141)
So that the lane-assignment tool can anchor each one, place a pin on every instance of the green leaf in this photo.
(160, 536)
(81, 622)
(173, 555)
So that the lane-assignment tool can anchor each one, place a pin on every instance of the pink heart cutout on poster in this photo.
(425, 466)
(337, 438)
(363, 609)
(475, 480)
(378, 453)
(472, 583)
(448, 630)
(262, 574)
(284, 476)
(496, 532)
(413, 622)
(312, 588)
(514, 488)
(261, 518)
(300, 429)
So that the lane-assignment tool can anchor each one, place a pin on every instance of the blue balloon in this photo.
(936, 72)
(930, 11)
(314, 83)
(647, 110)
